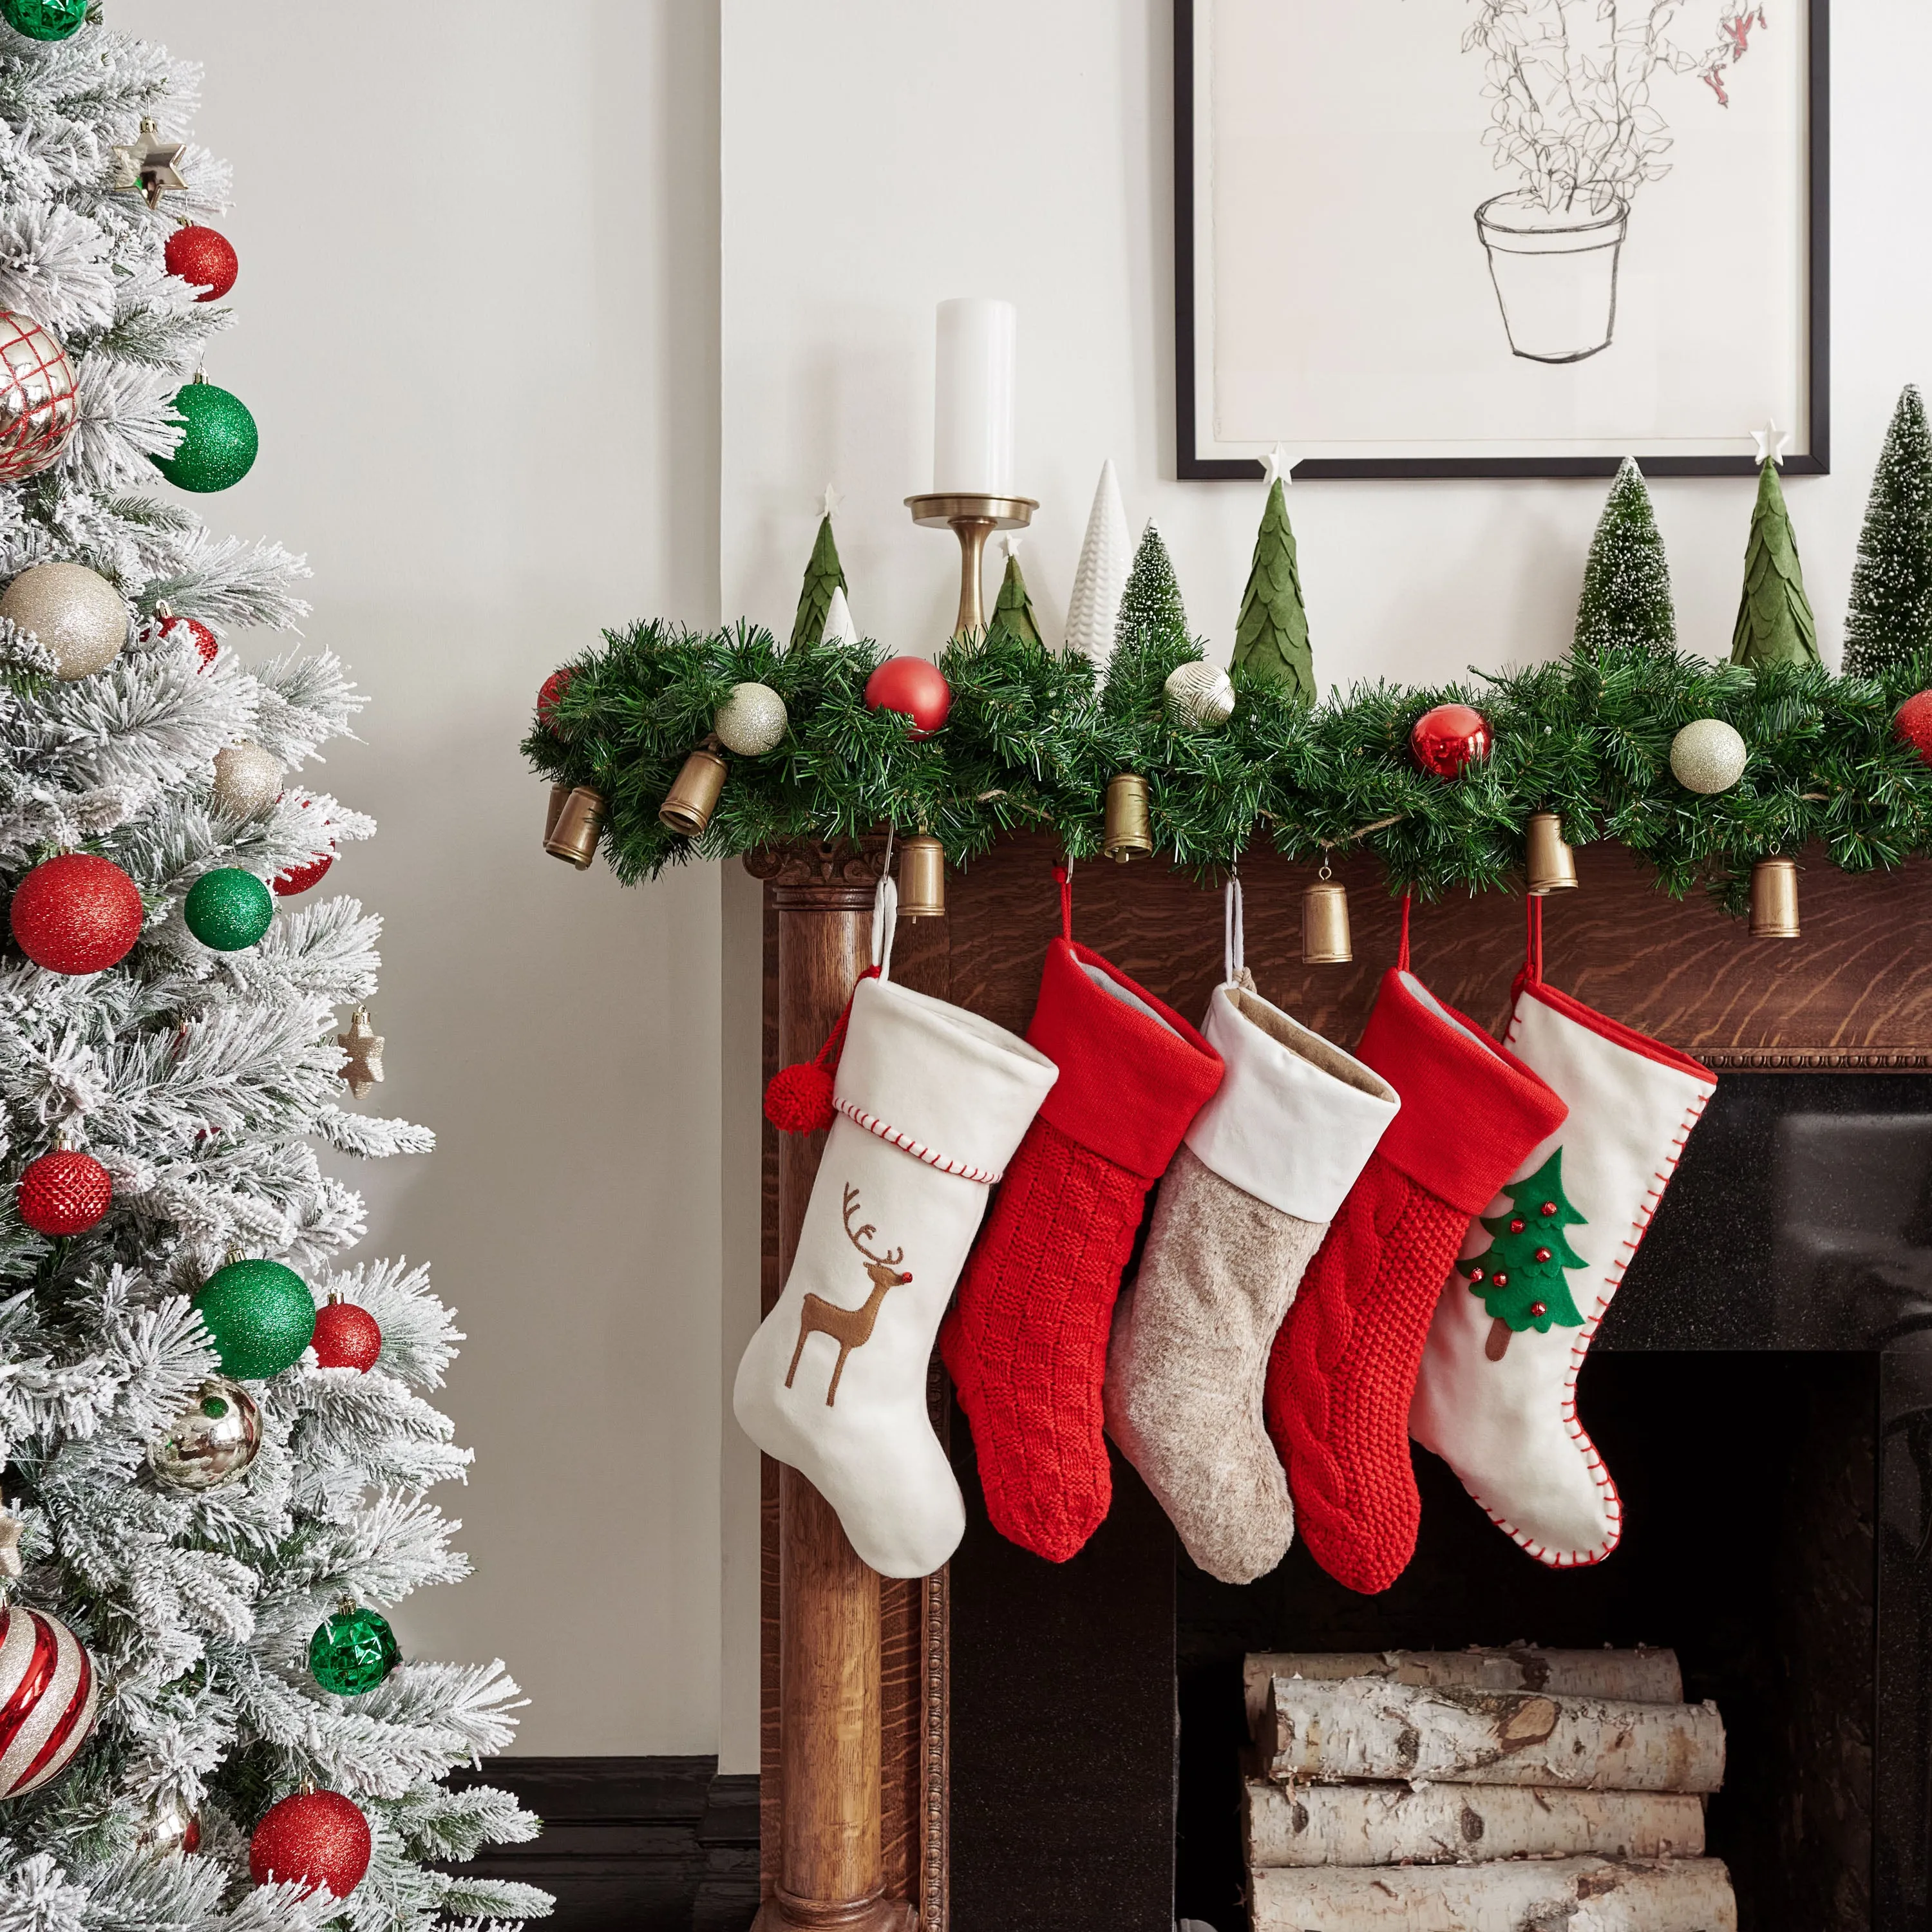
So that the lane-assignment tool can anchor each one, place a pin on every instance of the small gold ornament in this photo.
(1199, 694)
(922, 877)
(1325, 938)
(148, 163)
(246, 778)
(1550, 865)
(212, 1442)
(572, 832)
(1128, 833)
(362, 1050)
(75, 612)
(688, 804)
(1707, 756)
(554, 811)
(752, 721)
(1774, 899)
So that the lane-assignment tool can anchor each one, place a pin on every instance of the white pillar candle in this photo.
(973, 413)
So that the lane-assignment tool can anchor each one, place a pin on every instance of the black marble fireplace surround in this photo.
(1761, 1389)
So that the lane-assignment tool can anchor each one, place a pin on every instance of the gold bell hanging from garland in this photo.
(922, 877)
(1549, 864)
(1325, 937)
(1128, 833)
(1774, 899)
(573, 833)
(554, 811)
(688, 804)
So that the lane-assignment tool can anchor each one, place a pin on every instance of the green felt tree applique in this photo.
(1774, 621)
(1013, 610)
(1626, 595)
(1271, 634)
(822, 575)
(1520, 1275)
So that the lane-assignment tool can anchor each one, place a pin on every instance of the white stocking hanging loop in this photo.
(1234, 936)
(885, 915)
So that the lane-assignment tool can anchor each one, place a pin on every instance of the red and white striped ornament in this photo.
(48, 1692)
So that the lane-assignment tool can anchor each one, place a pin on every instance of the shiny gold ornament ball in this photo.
(1200, 694)
(1707, 756)
(751, 721)
(246, 779)
(212, 1441)
(74, 611)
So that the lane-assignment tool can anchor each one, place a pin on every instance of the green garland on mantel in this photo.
(1034, 738)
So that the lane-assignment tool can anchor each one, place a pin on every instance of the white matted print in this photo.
(1500, 236)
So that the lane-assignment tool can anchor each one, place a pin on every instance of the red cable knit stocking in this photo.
(1027, 1341)
(1344, 1366)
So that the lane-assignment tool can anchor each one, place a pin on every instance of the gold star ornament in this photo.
(362, 1054)
(148, 164)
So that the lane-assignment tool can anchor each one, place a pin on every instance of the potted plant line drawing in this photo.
(1569, 83)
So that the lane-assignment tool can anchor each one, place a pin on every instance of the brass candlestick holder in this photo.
(972, 519)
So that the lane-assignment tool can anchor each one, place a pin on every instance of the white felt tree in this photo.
(1106, 555)
(839, 628)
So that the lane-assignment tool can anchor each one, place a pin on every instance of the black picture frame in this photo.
(1192, 466)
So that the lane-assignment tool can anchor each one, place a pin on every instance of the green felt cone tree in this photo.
(1774, 621)
(1890, 618)
(1271, 634)
(822, 575)
(1626, 597)
(1012, 611)
(1520, 1275)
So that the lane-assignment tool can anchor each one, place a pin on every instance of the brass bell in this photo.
(580, 819)
(1129, 832)
(1549, 865)
(688, 804)
(1774, 899)
(922, 877)
(1325, 939)
(559, 792)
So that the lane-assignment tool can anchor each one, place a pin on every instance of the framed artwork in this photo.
(1501, 238)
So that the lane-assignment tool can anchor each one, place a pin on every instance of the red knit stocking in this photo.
(1344, 1366)
(1027, 1341)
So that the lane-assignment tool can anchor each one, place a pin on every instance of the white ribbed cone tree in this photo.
(839, 628)
(1106, 556)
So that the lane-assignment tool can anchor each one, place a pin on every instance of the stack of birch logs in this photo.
(1481, 1791)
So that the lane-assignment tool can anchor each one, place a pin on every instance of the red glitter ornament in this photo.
(914, 686)
(63, 1192)
(299, 878)
(77, 913)
(1448, 737)
(204, 259)
(205, 642)
(553, 688)
(315, 1838)
(346, 1336)
(1913, 721)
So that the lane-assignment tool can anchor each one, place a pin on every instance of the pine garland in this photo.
(1033, 739)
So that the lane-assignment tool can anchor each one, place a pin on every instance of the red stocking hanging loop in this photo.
(1063, 874)
(1402, 951)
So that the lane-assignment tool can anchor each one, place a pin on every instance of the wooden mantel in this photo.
(855, 1668)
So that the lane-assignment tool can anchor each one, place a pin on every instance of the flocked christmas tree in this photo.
(1013, 610)
(1271, 634)
(1151, 615)
(1889, 619)
(1775, 622)
(823, 575)
(1626, 598)
(202, 1522)
(1520, 1275)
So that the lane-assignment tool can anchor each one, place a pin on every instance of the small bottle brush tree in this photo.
(203, 1085)
(1626, 598)
(1271, 634)
(1889, 619)
(823, 575)
(1775, 622)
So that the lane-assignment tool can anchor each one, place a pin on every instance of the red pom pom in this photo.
(299, 878)
(63, 1192)
(914, 686)
(798, 1100)
(347, 1337)
(554, 686)
(77, 913)
(204, 638)
(1913, 723)
(1447, 738)
(204, 259)
(314, 1838)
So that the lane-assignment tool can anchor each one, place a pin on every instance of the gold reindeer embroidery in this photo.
(849, 1327)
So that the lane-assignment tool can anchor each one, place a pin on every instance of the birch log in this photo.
(1634, 1676)
(1537, 1895)
(1358, 1729)
(1447, 1824)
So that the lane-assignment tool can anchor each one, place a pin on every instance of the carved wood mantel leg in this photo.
(831, 1870)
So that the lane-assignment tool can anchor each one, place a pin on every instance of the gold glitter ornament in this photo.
(75, 612)
(246, 778)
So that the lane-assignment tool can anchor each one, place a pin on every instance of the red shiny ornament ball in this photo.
(1913, 721)
(1447, 738)
(63, 1192)
(347, 1337)
(1516, 1226)
(299, 878)
(1501, 1279)
(314, 1838)
(553, 688)
(914, 686)
(1542, 1254)
(1549, 1208)
(1539, 1308)
(77, 913)
(203, 638)
(799, 1099)
(204, 259)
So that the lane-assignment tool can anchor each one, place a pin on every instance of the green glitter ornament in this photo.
(217, 447)
(229, 909)
(353, 1651)
(44, 20)
(261, 1315)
